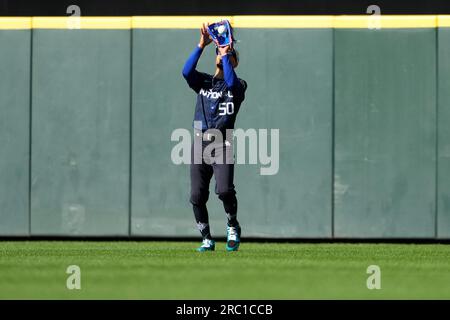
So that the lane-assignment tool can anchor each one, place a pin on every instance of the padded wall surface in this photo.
(14, 131)
(292, 93)
(162, 102)
(289, 75)
(385, 133)
(81, 132)
(443, 196)
(362, 118)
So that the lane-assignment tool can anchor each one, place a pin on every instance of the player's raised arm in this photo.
(189, 72)
(231, 79)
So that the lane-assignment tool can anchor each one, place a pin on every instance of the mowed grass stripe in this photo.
(173, 270)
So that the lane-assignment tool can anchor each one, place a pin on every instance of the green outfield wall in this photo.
(14, 131)
(385, 133)
(87, 109)
(80, 132)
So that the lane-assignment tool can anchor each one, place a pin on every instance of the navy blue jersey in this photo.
(218, 100)
(217, 106)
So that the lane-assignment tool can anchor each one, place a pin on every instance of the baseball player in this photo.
(219, 98)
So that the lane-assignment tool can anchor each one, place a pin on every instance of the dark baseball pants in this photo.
(220, 164)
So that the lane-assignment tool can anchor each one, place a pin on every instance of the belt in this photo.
(208, 136)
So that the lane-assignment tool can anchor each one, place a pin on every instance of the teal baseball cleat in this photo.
(207, 245)
(233, 238)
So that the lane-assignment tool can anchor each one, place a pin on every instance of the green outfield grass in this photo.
(173, 270)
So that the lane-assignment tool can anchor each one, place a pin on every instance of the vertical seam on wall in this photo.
(332, 128)
(130, 149)
(436, 200)
(30, 119)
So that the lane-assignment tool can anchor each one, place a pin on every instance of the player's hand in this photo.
(224, 50)
(205, 38)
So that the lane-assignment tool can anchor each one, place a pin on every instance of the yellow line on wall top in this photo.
(174, 22)
(12, 23)
(194, 22)
(286, 22)
(385, 21)
(81, 22)
(443, 21)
